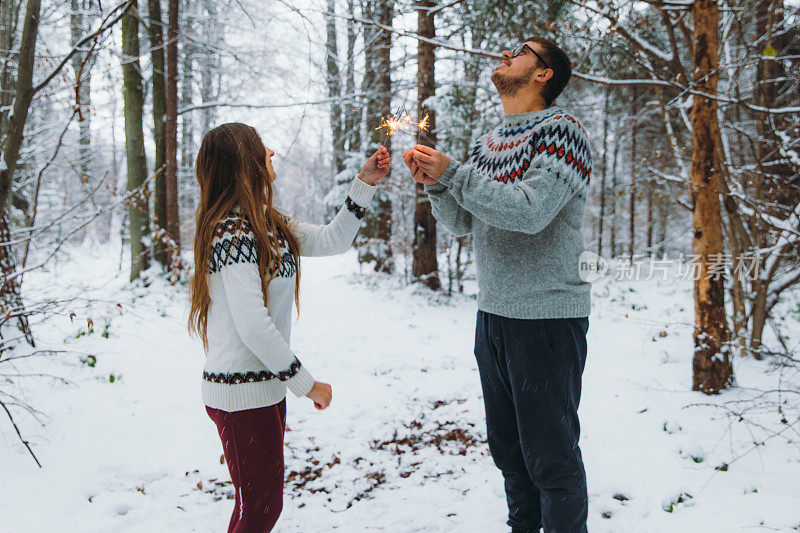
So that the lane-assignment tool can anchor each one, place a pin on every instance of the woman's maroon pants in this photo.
(253, 444)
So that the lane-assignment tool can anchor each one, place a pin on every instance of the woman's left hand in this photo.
(376, 167)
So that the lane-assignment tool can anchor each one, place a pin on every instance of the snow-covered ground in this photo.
(402, 448)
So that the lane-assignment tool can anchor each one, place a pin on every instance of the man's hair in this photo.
(557, 60)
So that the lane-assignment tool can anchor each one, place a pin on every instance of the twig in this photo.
(11, 419)
(78, 46)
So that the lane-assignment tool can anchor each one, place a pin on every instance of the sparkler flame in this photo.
(423, 125)
(401, 121)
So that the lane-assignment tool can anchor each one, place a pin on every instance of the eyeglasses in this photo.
(521, 48)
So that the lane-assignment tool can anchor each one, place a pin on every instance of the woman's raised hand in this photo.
(376, 167)
(321, 394)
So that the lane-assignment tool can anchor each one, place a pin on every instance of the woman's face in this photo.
(270, 170)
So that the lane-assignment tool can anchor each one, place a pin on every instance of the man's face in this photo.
(515, 73)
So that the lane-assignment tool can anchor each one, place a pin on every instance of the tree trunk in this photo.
(384, 86)
(10, 291)
(612, 216)
(737, 292)
(138, 208)
(712, 369)
(773, 183)
(8, 89)
(334, 86)
(606, 99)
(774, 172)
(352, 118)
(663, 206)
(472, 72)
(22, 101)
(171, 138)
(11, 304)
(78, 25)
(210, 65)
(649, 222)
(186, 146)
(377, 81)
(159, 111)
(366, 235)
(425, 267)
(758, 313)
(9, 21)
(634, 167)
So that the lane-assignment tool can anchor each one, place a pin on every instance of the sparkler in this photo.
(401, 121)
(422, 125)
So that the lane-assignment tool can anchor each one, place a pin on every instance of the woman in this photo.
(246, 277)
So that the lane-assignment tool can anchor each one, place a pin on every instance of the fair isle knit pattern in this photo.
(522, 196)
(234, 242)
(556, 139)
(234, 378)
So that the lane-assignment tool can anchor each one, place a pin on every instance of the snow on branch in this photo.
(627, 81)
(221, 103)
(105, 25)
(648, 48)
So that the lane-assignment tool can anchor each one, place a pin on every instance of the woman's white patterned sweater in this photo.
(249, 363)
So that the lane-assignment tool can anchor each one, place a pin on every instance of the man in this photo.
(522, 195)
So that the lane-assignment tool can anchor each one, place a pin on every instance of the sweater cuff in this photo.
(361, 192)
(436, 188)
(449, 173)
(301, 383)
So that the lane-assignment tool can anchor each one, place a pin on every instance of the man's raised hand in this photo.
(416, 171)
(432, 162)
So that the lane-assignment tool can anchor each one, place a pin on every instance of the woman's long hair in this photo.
(231, 170)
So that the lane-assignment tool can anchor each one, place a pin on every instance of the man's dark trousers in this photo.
(531, 377)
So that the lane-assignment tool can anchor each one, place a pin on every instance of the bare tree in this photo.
(22, 101)
(138, 208)
(772, 179)
(11, 305)
(376, 239)
(156, 32)
(713, 371)
(352, 116)
(334, 85)
(171, 138)
(604, 170)
(612, 215)
(634, 188)
(79, 22)
(209, 60)
(9, 21)
(425, 267)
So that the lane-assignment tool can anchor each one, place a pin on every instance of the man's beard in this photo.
(510, 85)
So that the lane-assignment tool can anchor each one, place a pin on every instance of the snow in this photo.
(140, 454)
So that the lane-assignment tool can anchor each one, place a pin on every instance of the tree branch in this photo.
(104, 26)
